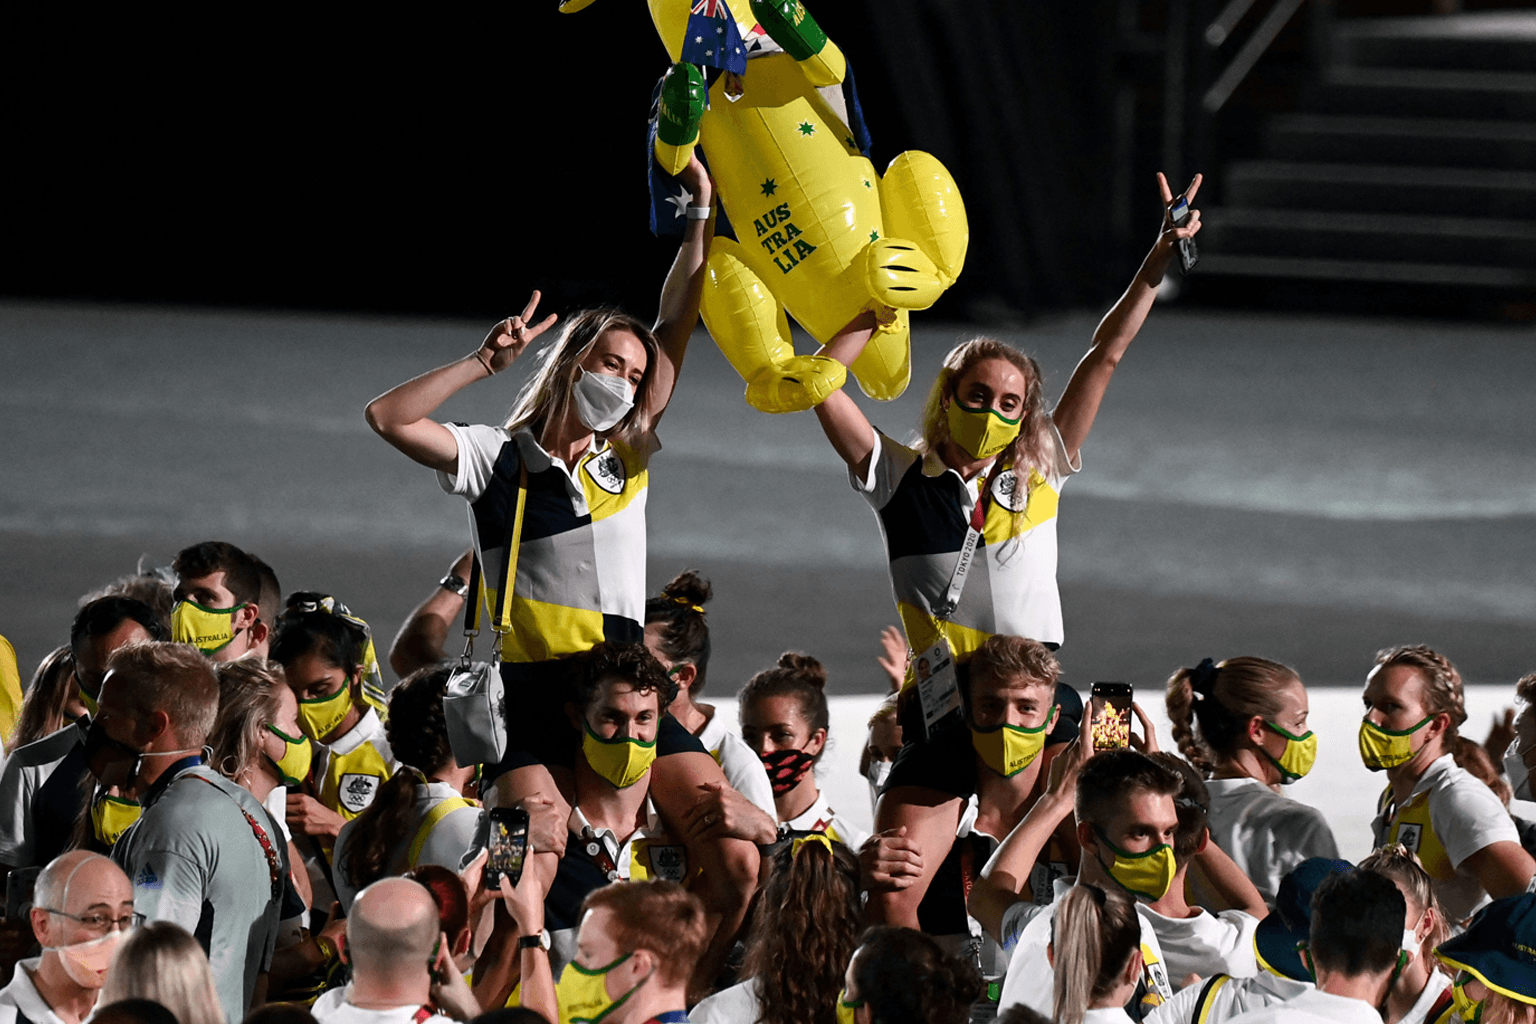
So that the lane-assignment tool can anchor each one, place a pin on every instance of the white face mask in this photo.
(601, 399)
(877, 773)
(1519, 774)
(277, 803)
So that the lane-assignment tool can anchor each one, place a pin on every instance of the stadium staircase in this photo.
(1408, 168)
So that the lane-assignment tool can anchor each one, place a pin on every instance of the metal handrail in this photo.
(1263, 37)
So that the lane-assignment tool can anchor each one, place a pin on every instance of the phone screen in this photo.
(1110, 706)
(1189, 255)
(508, 844)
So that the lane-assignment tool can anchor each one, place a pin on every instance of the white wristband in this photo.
(698, 213)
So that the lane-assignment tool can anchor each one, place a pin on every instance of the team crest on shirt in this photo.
(1410, 836)
(669, 862)
(607, 471)
(1007, 492)
(356, 791)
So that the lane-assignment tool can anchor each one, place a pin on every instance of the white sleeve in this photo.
(479, 445)
(1467, 817)
(1178, 1010)
(1064, 467)
(451, 838)
(17, 788)
(745, 772)
(1015, 919)
(888, 461)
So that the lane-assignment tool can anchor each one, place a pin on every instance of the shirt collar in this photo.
(23, 992)
(170, 775)
(366, 728)
(539, 460)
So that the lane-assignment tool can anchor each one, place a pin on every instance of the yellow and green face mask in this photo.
(293, 766)
(1382, 748)
(1299, 756)
(846, 1007)
(90, 702)
(111, 816)
(982, 432)
(582, 993)
(210, 630)
(1467, 1008)
(320, 716)
(1009, 749)
(621, 761)
(1141, 874)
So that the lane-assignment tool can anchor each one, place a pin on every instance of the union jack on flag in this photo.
(712, 38)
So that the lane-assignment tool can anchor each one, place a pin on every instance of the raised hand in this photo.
(893, 655)
(507, 340)
(1191, 226)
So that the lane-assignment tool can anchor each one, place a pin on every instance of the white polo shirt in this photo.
(26, 769)
(1227, 1000)
(739, 1004)
(20, 998)
(1206, 944)
(1026, 930)
(1266, 833)
(1314, 1007)
(581, 562)
(333, 1008)
(743, 769)
(820, 817)
(924, 509)
(446, 843)
(349, 771)
(1449, 816)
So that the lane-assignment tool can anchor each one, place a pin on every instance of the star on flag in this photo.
(681, 201)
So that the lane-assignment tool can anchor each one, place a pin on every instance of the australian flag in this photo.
(712, 39)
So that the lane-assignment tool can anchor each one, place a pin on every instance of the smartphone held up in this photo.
(1109, 706)
(507, 846)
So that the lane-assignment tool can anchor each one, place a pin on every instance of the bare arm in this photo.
(1227, 880)
(424, 636)
(930, 818)
(1005, 879)
(401, 414)
(842, 420)
(1079, 405)
(1503, 868)
(678, 312)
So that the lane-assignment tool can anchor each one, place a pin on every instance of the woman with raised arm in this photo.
(982, 480)
(986, 473)
(571, 464)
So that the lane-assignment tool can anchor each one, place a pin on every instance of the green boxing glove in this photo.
(791, 26)
(683, 98)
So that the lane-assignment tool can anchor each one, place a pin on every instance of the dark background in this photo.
(447, 162)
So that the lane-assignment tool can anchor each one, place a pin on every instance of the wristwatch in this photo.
(456, 583)
(540, 940)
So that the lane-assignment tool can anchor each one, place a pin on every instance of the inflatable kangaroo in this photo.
(819, 233)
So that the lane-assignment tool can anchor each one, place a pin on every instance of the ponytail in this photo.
(1093, 935)
(1221, 699)
(378, 829)
(804, 931)
(684, 633)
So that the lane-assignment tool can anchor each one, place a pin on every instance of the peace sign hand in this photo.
(1170, 233)
(507, 340)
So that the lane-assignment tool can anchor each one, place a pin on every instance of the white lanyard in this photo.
(968, 549)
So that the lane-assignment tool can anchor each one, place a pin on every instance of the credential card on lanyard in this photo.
(938, 688)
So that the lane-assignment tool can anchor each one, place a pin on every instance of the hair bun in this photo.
(688, 587)
(808, 668)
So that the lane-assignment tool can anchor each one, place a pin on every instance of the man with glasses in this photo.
(83, 903)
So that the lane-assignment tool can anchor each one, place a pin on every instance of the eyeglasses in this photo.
(101, 922)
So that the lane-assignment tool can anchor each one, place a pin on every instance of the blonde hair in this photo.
(161, 961)
(1499, 1008)
(249, 701)
(1221, 699)
(546, 396)
(1441, 682)
(1402, 866)
(1034, 448)
(1093, 935)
